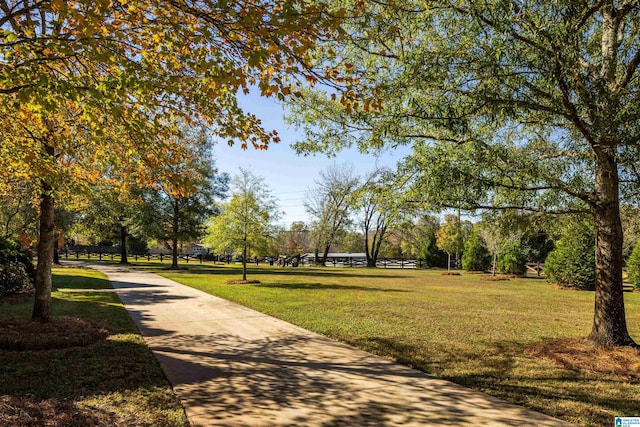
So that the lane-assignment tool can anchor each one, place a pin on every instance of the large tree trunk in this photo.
(325, 254)
(46, 243)
(367, 253)
(174, 254)
(56, 251)
(376, 249)
(317, 256)
(609, 321)
(244, 261)
(123, 245)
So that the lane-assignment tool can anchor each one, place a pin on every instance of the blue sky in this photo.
(288, 175)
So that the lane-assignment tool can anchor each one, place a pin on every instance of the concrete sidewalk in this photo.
(232, 366)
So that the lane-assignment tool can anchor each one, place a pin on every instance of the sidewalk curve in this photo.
(232, 366)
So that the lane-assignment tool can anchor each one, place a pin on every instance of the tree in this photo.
(475, 255)
(633, 267)
(107, 214)
(379, 208)
(246, 221)
(295, 240)
(571, 263)
(18, 212)
(90, 86)
(451, 236)
(353, 242)
(509, 105)
(419, 240)
(497, 234)
(511, 259)
(177, 217)
(330, 204)
(537, 246)
(630, 215)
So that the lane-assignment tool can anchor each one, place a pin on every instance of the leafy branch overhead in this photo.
(89, 87)
(508, 105)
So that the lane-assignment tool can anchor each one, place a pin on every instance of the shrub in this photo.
(17, 272)
(475, 257)
(13, 278)
(429, 254)
(511, 260)
(633, 266)
(572, 262)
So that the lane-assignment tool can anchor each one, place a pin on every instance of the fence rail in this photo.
(90, 253)
(360, 262)
(110, 253)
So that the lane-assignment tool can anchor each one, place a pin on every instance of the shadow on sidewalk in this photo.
(293, 380)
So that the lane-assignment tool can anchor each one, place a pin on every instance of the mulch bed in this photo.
(22, 333)
(241, 282)
(34, 412)
(498, 277)
(70, 265)
(578, 354)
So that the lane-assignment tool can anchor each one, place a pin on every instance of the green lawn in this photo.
(457, 327)
(113, 382)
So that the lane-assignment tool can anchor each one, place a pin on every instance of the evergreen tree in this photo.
(633, 266)
(476, 256)
(572, 262)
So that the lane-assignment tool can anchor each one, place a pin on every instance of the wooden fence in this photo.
(112, 254)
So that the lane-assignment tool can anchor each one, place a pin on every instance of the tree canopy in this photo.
(508, 105)
(89, 86)
(246, 221)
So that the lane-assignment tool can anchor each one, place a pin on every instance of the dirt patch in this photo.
(241, 282)
(21, 333)
(450, 273)
(31, 411)
(578, 354)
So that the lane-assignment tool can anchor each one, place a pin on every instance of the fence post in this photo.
(187, 258)
(402, 262)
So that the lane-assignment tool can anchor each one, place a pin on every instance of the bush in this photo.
(572, 262)
(475, 257)
(430, 254)
(512, 259)
(13, 278)
(633, 266)
(16, 269)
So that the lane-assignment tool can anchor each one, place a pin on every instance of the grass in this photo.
(114, 382)
(461, 328)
